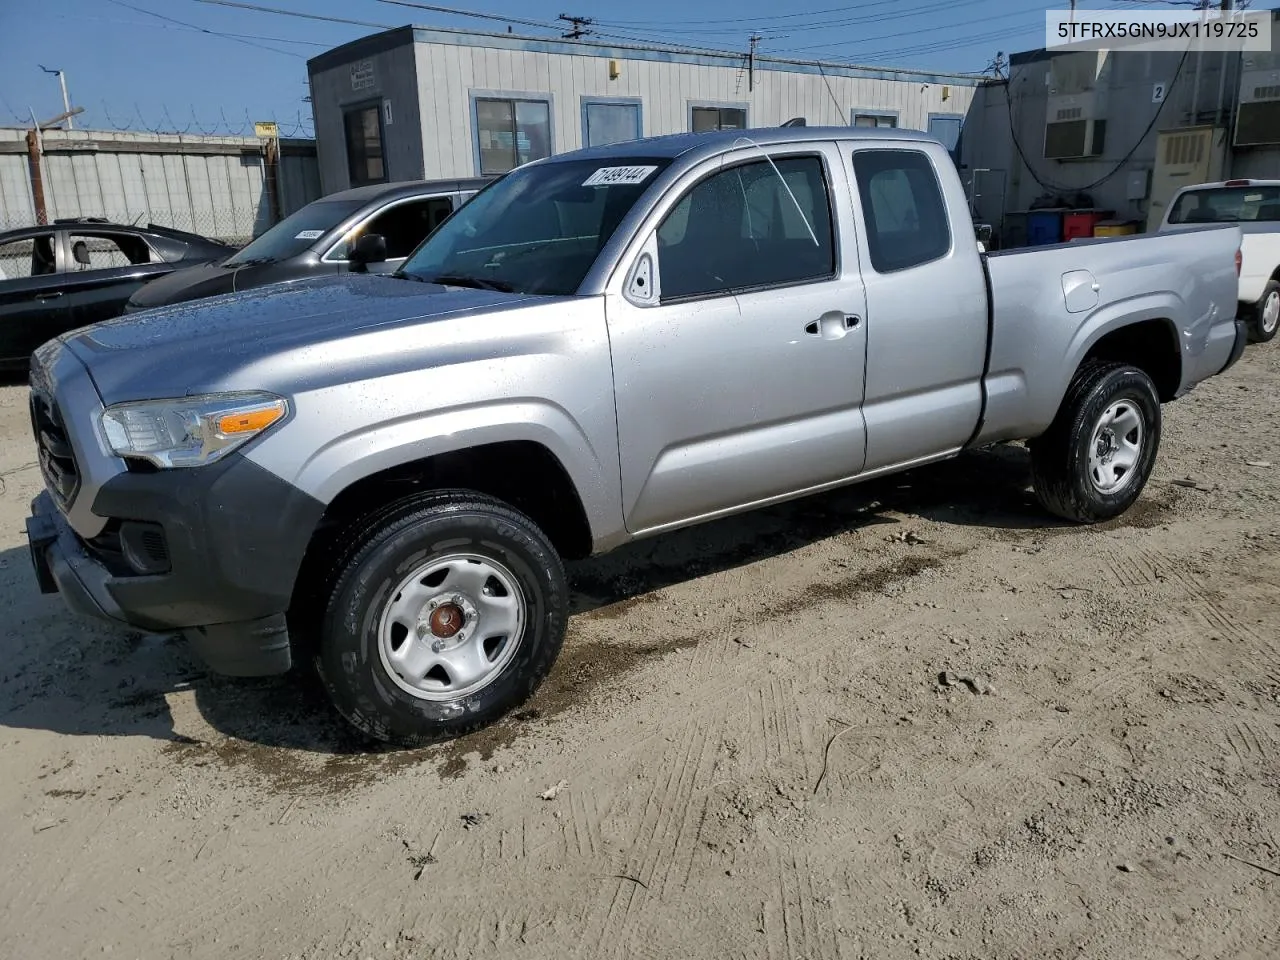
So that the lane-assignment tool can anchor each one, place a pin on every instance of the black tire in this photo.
(1258, 328)
(389, 547)
(1060, 456)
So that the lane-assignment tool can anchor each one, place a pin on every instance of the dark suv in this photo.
(328, 236)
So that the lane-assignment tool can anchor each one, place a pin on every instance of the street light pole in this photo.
(62, 81)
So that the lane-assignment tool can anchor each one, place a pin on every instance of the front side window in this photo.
(718, 118)
(363, 128)
(610, 122)
(403, 226)
(538, 230)
(511, 133)
(103, 251)
(753, 225)
(903, 207)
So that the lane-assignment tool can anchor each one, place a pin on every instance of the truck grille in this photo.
(53, 448)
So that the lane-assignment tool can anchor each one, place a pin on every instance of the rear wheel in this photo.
(1266, 314)
(447, 612)
(1094, 460)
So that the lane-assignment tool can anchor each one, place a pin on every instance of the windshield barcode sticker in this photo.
(309, 235)
(615, 176)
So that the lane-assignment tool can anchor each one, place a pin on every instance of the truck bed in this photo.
(1048, 304)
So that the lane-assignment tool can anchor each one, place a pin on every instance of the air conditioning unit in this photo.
(1075, 121)
(1258, 116)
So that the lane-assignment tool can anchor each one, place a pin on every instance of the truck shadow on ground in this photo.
(73, 676)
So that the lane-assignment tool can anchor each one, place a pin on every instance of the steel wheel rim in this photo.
(1116, 447)
(1271, 311)
(451, 627)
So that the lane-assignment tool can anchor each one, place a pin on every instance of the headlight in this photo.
(191, 431)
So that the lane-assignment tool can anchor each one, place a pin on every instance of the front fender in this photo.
(364, 452)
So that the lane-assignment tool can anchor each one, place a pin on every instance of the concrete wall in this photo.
(453, 67)
(212, 185)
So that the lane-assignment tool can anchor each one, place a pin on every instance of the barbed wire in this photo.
(195, 124)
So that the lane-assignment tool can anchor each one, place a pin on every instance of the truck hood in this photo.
(192, 347)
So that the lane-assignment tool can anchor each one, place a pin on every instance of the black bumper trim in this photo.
(236, 537)
(1237, 348)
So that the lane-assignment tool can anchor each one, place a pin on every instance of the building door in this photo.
(946, 127)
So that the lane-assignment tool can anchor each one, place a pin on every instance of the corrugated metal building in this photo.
(214, 185)
(419, 102)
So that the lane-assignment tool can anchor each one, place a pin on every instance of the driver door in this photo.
(738, 343)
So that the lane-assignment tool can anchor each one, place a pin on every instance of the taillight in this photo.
(1239, 261)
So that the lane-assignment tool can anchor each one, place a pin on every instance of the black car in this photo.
(71, 273)
(371, 228)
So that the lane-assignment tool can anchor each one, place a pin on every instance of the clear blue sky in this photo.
(136, 62)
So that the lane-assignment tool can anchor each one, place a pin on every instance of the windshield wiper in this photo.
(457, 280)
(251, 262)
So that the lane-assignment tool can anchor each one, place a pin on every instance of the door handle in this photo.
(48, 296)
(832, 326)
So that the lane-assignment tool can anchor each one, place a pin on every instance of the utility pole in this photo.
(579, 26)
(751, 61)
(62, 80)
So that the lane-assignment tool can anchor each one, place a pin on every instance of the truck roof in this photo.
(1228, 184)
(674, 145)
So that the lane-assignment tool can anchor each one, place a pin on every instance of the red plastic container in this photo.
(1076, 225)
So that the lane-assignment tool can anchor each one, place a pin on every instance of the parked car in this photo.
(74, 272)
(381, 474)
(369, 229)
(1254, 206)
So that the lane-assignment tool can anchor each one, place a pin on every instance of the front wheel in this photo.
(1094, 460)
(446, 613)
(1266, 314)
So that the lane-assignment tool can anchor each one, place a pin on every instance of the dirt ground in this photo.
(755, 753)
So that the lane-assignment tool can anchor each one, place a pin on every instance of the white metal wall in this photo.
(220, 194)
(449, 75)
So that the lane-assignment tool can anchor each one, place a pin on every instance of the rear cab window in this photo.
(903, 209)
(1244, 204)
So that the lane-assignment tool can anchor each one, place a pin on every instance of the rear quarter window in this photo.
(902, 204)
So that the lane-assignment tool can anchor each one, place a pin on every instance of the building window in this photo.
(718, 118)
(874, 118)
(946, 127)
(363, 127)
(610, 121)
(511, 132)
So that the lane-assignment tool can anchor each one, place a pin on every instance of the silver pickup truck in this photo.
(380, 475)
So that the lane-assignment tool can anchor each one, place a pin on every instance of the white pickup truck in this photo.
(1253, 205)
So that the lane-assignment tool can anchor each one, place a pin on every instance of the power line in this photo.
(212, 33)
(295, 13)
(455, 12)
(81, 18)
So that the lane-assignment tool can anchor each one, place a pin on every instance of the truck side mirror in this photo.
(370, 248)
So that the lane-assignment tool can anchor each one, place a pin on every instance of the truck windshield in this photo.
(538, 229)
(1227, 205)
(296, 232)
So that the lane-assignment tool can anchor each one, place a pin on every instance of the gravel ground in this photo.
(916, 718)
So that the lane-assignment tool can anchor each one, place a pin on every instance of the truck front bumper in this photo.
(222, 575)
